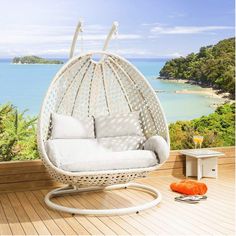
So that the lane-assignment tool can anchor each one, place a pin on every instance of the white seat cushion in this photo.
(118, 125)
(76, 155)
(64, 127)
(122, 143)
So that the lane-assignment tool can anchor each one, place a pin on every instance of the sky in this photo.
(147, 28)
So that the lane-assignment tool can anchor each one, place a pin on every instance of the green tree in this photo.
(212, 66)
(217, 129)
(17, 135)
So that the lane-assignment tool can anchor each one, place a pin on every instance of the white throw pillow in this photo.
(64, 127)
(158, 145)
(118, 125)
(122, 143)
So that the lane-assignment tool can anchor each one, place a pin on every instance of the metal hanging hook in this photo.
(79, 29)
(113, 31)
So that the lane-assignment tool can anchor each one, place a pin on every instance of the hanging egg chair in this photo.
(129, 135)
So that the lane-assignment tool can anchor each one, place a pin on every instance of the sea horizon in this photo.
(24, 85)
(64, 59)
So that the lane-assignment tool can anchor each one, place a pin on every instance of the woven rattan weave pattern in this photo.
(83, 88)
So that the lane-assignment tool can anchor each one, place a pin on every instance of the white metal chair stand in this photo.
(70, 189)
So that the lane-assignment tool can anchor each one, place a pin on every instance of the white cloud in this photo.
(187, 29)
(40, 34)
(176, 15)
(152, 24)
(173, 55)
(103, 36)
(63, 52)
(133, 51)
(58, 52)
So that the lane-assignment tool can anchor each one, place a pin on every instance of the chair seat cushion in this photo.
(76, 155)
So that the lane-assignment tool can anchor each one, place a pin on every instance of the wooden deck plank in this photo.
(32, 214)
(21, 215)
(96, 221)
(4, 224)
(11, 216)
(22, 178)
(92, 203)
(76, 223)
(104, 203)
(143, 217)
(154, 215)
(20, 169)
(179, 213)
(55, 215)
(42, 213)
(136, 222)
(198, 212)
(213, 197)
(26, 212)
(26, 185)
(12, 164)
(84, 220)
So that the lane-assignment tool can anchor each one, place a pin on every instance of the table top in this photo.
(201, 153)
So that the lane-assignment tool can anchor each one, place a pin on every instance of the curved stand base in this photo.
(69, 189)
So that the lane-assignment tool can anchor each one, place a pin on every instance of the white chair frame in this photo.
(60, 100)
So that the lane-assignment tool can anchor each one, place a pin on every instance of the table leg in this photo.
(199, 169)
(186, 165)
(191, 166)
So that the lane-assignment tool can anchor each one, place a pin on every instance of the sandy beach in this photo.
(205, 91)
(181, 81)
(209, 92)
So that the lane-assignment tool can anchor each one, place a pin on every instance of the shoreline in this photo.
(221, 98)
(180, 81)
(205, 91)
(213, 93)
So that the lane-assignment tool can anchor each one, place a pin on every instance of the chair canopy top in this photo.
(85, 86)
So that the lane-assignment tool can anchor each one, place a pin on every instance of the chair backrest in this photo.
(84, 87)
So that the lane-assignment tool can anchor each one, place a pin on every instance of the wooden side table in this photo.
(201, 162)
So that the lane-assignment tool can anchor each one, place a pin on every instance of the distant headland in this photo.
(212, 67)
(34, 60)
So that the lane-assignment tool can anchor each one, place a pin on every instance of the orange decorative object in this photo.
(189, 187)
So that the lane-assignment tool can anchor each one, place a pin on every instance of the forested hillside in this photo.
(212, 66)
(217, 128)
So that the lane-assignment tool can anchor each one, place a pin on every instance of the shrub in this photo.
(17, 135)
(217, 129)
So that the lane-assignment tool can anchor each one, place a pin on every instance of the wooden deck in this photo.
(24, 212)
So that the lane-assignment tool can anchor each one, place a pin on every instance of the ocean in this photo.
(25, 86)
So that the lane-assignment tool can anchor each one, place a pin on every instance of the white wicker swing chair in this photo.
(84, 87)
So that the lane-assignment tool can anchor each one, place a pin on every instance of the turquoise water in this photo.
(26, 85)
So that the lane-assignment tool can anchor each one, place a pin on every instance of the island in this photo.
(34, 60)
(212, 67)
